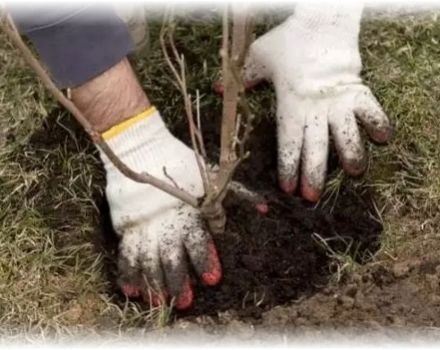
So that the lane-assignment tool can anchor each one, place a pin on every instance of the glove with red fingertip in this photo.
(314, 63)
(158, 232)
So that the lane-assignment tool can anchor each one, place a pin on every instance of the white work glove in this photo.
(313, 61)
(157, 230)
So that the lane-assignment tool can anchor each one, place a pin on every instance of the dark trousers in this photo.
(76, 42)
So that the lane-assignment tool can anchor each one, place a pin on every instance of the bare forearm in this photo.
(111, 97)
(85, 47)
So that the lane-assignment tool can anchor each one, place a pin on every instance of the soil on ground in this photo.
(279, 257)
(279, 275)
(286, 254)
(279, 268)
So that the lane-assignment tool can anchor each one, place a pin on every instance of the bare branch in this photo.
(167, 57)
(235, 139)
(230, 95)
(199, 126)
(168, 176)
(195, 134)
(232, 62)
(244, 193)
(224, 178)
(187, 100)
(249, 118)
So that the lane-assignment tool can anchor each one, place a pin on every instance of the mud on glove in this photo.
(158, 232)
(314, 63)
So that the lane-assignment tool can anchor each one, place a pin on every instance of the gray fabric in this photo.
(77, 42)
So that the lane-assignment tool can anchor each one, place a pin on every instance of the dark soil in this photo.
(276, 272)
(276, 258)
(398, 302)
(268, 260)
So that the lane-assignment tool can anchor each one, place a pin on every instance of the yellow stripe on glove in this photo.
(121, 127)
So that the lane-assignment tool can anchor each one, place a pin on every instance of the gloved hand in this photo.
(157, 231)
(314, 63)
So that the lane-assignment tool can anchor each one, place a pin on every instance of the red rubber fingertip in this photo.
(130, 290)
(354, 169)
(288, 186)
(218, 88)
(262, 208)
(382, 136)
(185, 299)
(308, 192)
(214, 274)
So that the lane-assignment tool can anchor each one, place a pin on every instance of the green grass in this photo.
(403, 69)
(53, 276)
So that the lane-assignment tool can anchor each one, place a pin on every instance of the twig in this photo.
(243, 192)
(232, 62)
(199, 126)
(249, 117)
(230, 95)
(235, 139)
(196, 139)
(234, 134)
(165, 172)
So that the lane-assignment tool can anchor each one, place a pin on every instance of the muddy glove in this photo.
(158, 232)
(314, 63)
